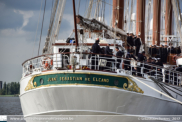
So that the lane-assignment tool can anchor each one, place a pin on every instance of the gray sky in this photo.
(18, 23)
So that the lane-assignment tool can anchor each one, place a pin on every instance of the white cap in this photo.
(131, 32)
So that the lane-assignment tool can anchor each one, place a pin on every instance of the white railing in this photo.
(100, 62)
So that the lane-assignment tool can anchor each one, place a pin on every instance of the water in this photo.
(10, 106)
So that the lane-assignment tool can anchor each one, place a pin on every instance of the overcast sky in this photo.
(18, 24)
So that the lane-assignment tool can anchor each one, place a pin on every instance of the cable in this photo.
(171, 86)
(37, 27)
(85, 8)
(172, 90)
(161, 86)
(42, 27)
(104, 12)
(156, 90)
(78, 7)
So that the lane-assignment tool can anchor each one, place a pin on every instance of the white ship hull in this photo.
(75, 99)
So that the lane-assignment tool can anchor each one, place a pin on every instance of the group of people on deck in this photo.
(135, 51)
(106, 52)
(134, 43)
(163, 51)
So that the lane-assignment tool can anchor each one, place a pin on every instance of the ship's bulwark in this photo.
(86, 99)
(89, 100)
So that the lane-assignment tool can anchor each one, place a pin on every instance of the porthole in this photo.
(41, 81)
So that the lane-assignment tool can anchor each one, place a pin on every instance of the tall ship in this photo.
(75, 76)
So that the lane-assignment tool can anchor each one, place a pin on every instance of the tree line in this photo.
(10, 88)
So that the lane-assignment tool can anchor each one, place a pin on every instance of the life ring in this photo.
(47, 63)
(30, 66)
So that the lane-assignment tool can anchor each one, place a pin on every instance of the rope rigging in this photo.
(170, 86)
(171, 89)
(86, 8)
(131, 10)
(176, 14)
(165, 87)
(48, 38)
(78, 7)
(148, 19)
(42, 27)
(37, 27)
(57, 24)
(158, 84)
(156, 90)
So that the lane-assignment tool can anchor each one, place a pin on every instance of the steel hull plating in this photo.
(76, 99)
(91, 100)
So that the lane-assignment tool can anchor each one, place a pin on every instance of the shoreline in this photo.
(9, 95)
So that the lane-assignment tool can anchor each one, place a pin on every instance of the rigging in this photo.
(37, 27)
(42, 27)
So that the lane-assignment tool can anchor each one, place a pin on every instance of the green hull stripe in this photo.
(73, 78)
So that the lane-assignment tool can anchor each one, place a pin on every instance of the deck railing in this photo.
(100, 62)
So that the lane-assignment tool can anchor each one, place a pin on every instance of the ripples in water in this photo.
(10, 106)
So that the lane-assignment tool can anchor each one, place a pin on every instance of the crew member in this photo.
(109, 54)
(130, 40)
(150, 50)
(154, 51)
(95, 49)
(178, 50)
(127, 62)
(160, 51)
(165, 54)
(108, 51)
(138, 44)
(119, 54)
(141, 58)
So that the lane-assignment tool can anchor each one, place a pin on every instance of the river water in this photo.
(10, 106)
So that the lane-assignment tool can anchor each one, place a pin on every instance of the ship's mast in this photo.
(140, 19)
(75, 26)
(118, 13)
(168, 19)
(156, 22)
